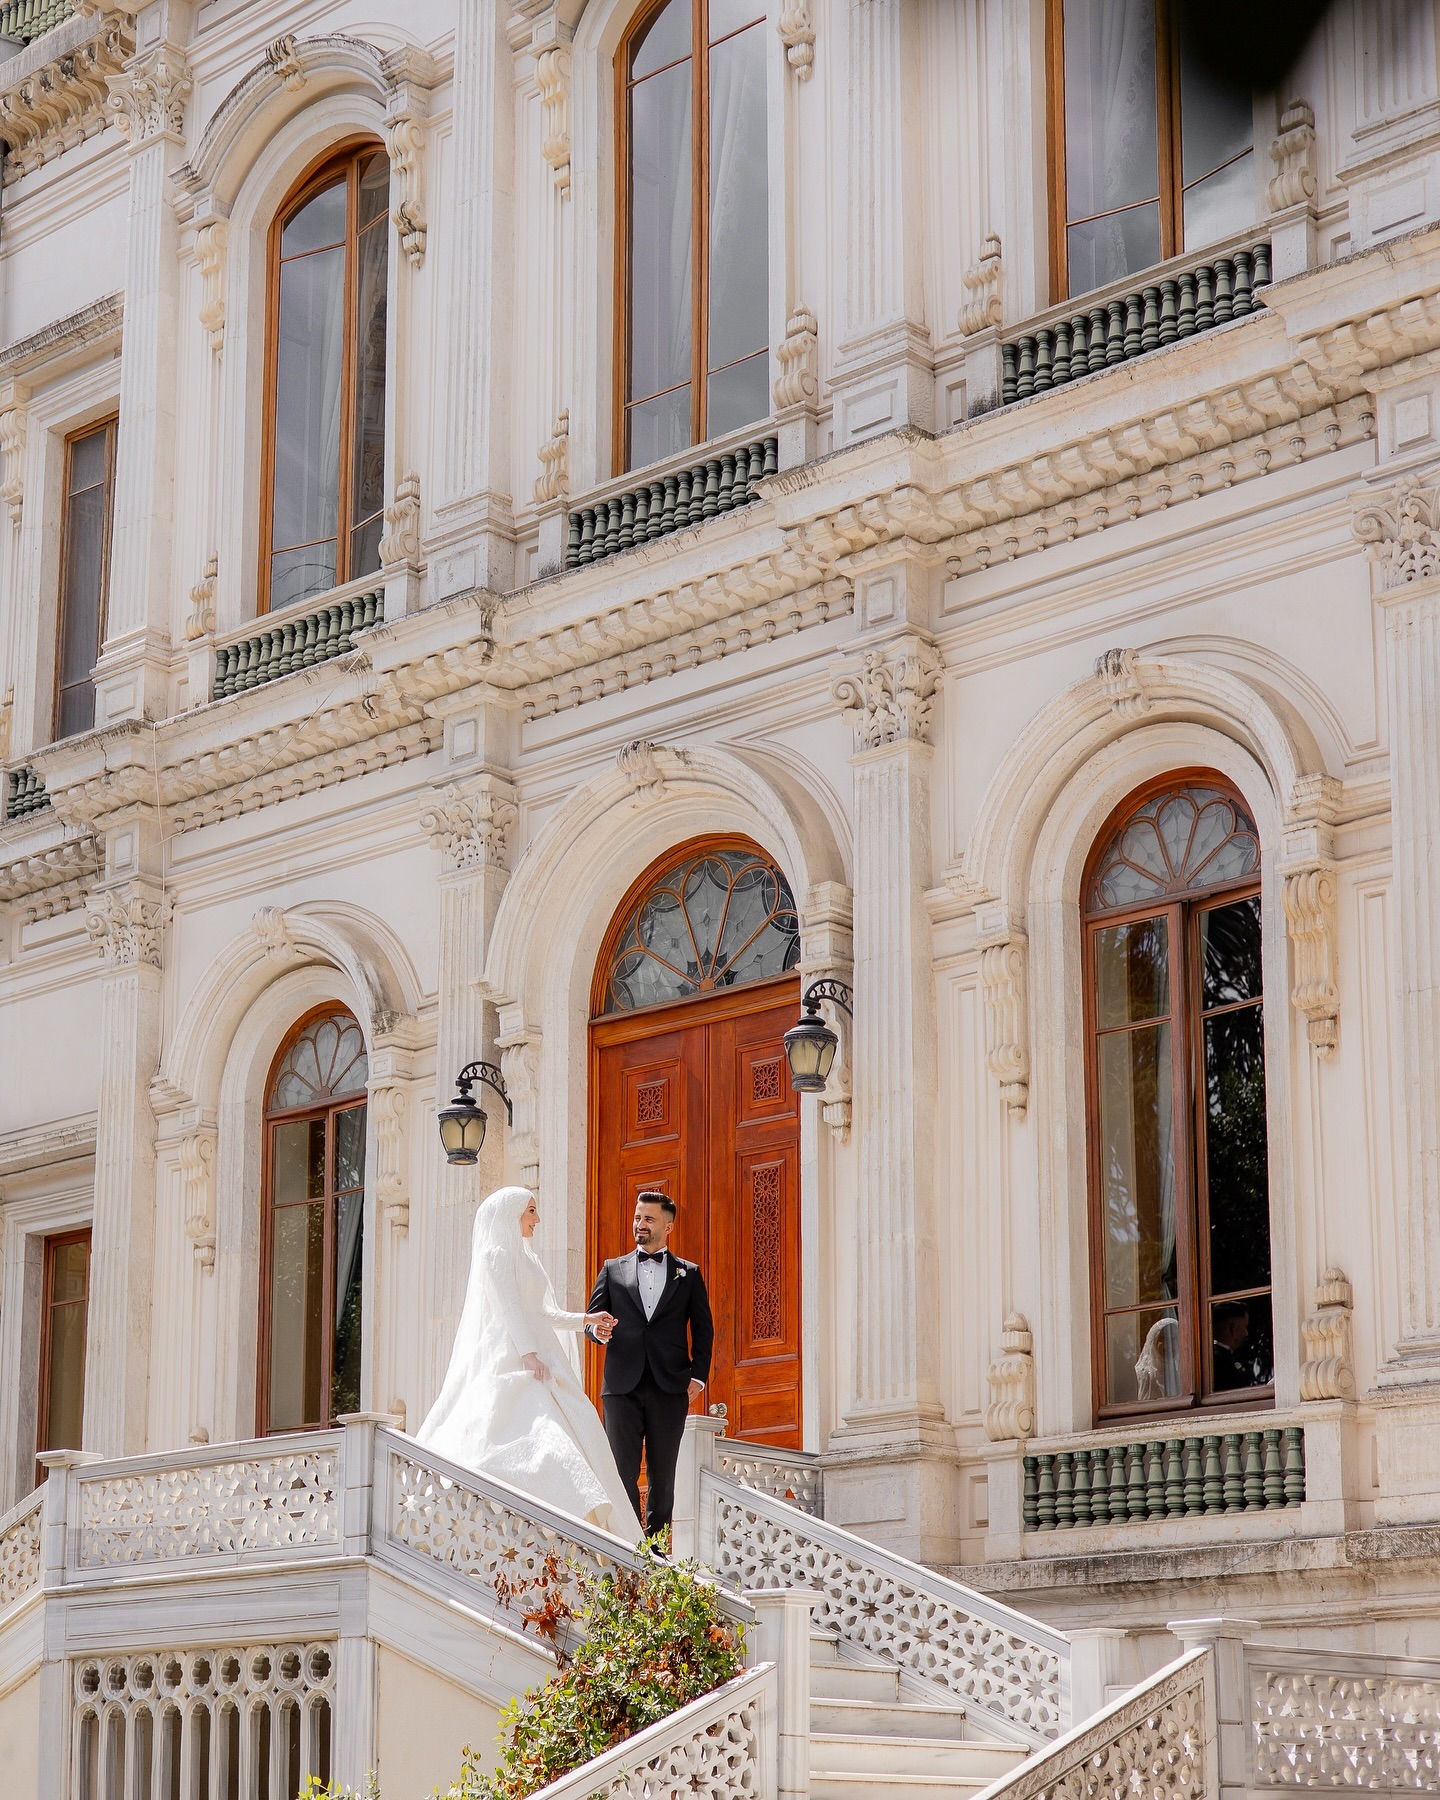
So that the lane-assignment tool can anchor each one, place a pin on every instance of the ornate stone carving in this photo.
(147, 99)
(639, 762)
(1367, 1731)
(796, 26)
(470, 827)
(717, 1759)
(794, 1478)
(553, 481)
(12, 456)
(1118, 673)
(125, 926)
(1153, 1744)
(1401, 531)
(201, 619)
(520, 1065)
(1011, 1412)
(932, 1628)
(197, 1171)
(1293, 153)
(272, 930)
(216, 1506)
(1003, 978)
(1327, 1356)
(1309, 899)
(388, 1103)
(400, 541)
(405, 140)
(798, 383)
(283, 57)
(982, 284)
(64, 101)
(211, 242)
(890, 697)
(20, 1554)
(552, 77)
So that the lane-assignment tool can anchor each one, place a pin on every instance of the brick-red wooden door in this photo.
(695, 1099)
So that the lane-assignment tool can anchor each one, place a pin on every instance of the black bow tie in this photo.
(650, 1255)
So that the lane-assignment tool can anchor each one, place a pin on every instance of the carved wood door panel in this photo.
(695, 1100)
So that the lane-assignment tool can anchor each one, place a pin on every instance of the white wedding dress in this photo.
(493, 1415)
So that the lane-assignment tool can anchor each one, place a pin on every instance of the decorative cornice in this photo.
(889, 696)
(470, 827)
(53, 880)
(1400, 529)
(63, 101)
(72, 337)
(125, 925)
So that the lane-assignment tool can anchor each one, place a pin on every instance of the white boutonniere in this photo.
(680, 1273)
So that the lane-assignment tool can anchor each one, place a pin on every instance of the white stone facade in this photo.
(920, 672)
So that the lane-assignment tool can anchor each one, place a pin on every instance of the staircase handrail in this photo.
(1160, 1738)
(718, 1746)
(1003, 1664)
(20, 1535)
(793, 1475)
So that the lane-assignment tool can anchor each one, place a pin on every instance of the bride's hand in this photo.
(533, 1363)
(601, 1324)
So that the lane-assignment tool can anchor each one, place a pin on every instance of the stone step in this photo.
(907, 1718)
(841, 1680)
(866, 1784)
(902, 1758)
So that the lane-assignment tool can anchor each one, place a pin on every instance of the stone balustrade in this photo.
(792, 1475)
(296, 643)
(20, 1550)
(25, 20)
(655, 509)
(24, 794)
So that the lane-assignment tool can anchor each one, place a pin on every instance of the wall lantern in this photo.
(462, 1123)
(810, 1046)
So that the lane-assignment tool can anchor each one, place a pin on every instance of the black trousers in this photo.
(648, 1419)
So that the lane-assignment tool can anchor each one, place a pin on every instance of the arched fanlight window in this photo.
(312, 1248)
(325, 408)
(1179, 1185)
(714, 918)
(693, 316)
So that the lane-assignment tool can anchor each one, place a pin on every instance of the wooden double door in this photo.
(695, 1100)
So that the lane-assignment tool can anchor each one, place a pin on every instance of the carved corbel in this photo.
(1292, 151)
(1327, 1355)
(405, 141)
(798, 383)
(12, 449)
(520, 1065)
(982, 284)
(400, 541)
(211, 243)
(272, 932)
(201, 620)
(388, 1104)
(1118, 673)
(1309, 900)
(283, 57)
(552, 77)
(1004, 980)
(197, 1173)
(553, 481)
(1010, 1416)
(796, 26)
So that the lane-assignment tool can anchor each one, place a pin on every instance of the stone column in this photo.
(1401, 528)
(469, 822)
(893, 1453)
(125, 922)
(473, 544)
(883, 376)
(148, 105)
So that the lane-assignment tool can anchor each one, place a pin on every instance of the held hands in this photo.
(533, 1363)
(600, 1325)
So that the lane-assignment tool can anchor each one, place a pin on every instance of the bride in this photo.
(511, 1404)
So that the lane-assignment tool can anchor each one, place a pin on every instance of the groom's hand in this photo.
(697, 1388)
(600, 1325)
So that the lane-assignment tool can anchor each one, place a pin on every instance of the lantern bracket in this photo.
(491, 1076)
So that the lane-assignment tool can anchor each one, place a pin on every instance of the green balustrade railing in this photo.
(1174, 307)
(24, 794)
(1165, 1478)
(295, 644)
(657, 508)
(30, 19)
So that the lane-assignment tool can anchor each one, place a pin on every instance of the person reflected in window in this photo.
(1235, 1359)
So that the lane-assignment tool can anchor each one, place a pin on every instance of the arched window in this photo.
(1179, 1192)
(716, 918)
(693, 339)
(325, 414)
(314, 1203)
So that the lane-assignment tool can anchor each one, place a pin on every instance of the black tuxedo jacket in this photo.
(674, 1345)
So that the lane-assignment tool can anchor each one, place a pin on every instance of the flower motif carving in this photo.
(1353, 1732)
(470, 828)
(125, 925)
(890, 697)
(1401, 531)
(148, 99)
(20, 1554)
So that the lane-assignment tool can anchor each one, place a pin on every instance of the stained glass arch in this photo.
(324, 1060)
(1182, 839)
(711, 918)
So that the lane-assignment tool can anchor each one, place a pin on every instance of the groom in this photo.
(657, 1354)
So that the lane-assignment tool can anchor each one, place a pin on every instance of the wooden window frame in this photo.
(110, 425)
(700, 372)
(344, 160)
(270, 1119)
(1186, 1017)
(59, 1240)
(1167, 110)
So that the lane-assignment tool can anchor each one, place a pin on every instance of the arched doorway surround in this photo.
(693, 991)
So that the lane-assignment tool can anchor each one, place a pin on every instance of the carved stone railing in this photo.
(793, 1475)
(20, 1549)
(281, 1495)
(1331, 1719)
(1170, 1477)
(26, 20)
(1003, 1665)
(720, 1747)
(654, 509)
(297, 643)
(24, 794)
(1159, 1739)
(1103, 330)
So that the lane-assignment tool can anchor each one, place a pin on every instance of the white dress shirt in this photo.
(650, 1278)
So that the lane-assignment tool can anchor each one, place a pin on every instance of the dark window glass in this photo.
(327, 440)
(65, 1300)
(1181, 1219)
(84, 574)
